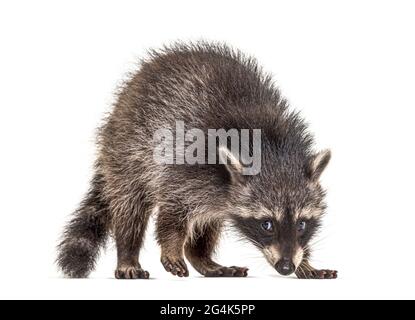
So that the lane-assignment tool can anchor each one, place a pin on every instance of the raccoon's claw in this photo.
(131, 273)
(317, 274)
(227, 272)
(177, 267)
(329, 274)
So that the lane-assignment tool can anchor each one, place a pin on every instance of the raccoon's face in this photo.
(282, 237)
(281, 218)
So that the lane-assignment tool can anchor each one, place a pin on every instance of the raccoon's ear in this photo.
(318, 163)
(234, 166)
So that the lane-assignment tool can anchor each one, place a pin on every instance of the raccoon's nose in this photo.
(285, 267)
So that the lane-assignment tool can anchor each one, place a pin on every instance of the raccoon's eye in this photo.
(267, 225)
(301, 226)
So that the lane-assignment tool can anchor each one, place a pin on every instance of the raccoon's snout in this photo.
(285, 267)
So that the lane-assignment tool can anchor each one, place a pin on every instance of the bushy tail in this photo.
(85, 234)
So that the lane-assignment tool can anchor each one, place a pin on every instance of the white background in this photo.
(349, 66)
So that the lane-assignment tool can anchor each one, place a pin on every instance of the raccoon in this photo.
(204, 85)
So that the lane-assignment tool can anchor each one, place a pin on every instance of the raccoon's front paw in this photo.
(175, 266)
(316, 274)
(227, 272)
(131, 272)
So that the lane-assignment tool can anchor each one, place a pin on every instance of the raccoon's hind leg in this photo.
(306, 271)
(171, 229)
(129, 226)
(200, 249)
